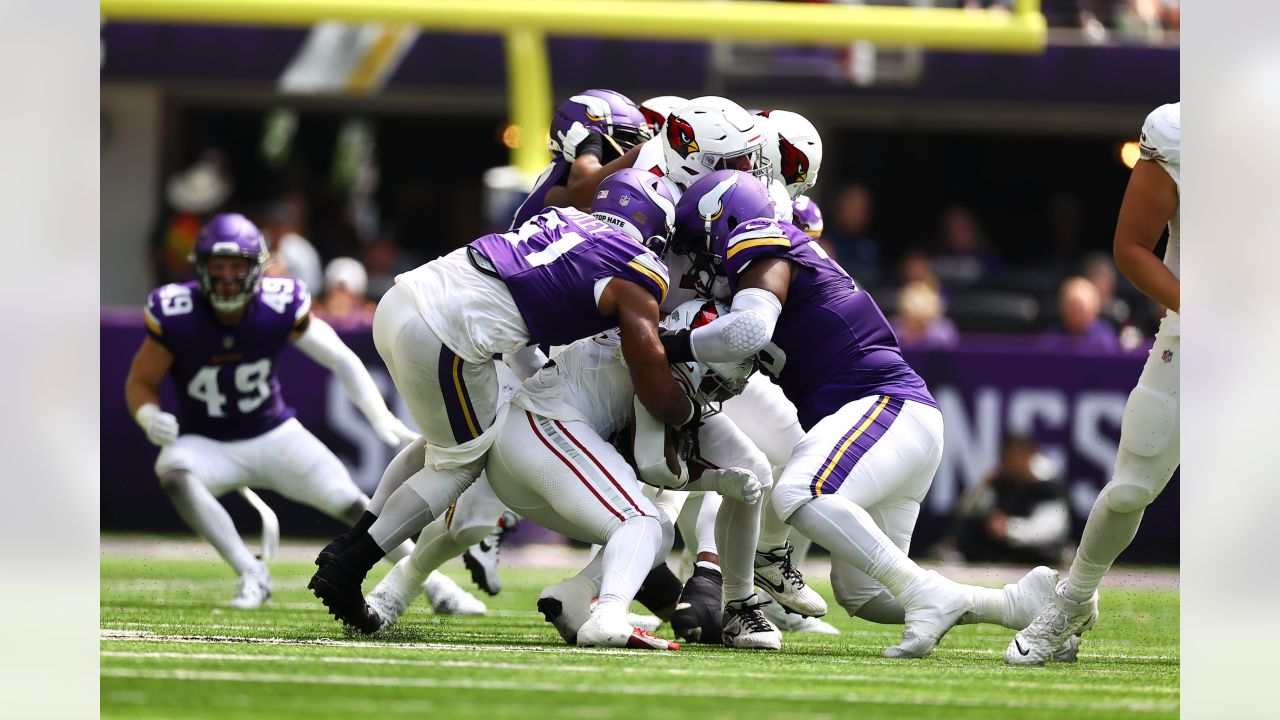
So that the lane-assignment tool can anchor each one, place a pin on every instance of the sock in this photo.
(435, 547)
(404, 515)
(990, 605)
(737, 528)
(208, 518)
(773, 529)
(801, 545)
(1106, 535)
(627, 558)
(704, 528)
(849, 533)
(362, 554)
(400, 552)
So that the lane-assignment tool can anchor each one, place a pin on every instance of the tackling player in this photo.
(218, 337)
(1149, 444)
(873, 433)
(561, 276)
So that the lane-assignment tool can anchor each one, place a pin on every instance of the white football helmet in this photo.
(794, 150)
(712, 133)
(656, 110)
(712, 382)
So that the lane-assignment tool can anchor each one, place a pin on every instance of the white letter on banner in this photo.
(969, 452)
(1094, 409)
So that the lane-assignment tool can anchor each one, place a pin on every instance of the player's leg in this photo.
(909, 438)
(453, 402)
(194, 471)
(1147, 457)
(477, 522)
(660, 592)
(588, 491)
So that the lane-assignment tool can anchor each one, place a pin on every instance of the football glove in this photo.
(161, 427)
(735, 483)
(568, 141)
(391, 431)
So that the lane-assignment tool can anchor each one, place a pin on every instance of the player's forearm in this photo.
(137, 394)
(1149, 274)
(585, 176)
(322, 344)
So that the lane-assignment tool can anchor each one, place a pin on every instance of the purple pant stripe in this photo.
(453, 404)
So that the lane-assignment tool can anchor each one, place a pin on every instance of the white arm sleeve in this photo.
(1047, 524)
(322, 344)
(743, 332)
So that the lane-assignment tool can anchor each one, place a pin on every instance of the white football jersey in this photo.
(588, 382)
(650, 159)
(1161, 142)
(781, 200)
(491, 322)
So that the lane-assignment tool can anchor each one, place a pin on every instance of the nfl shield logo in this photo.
(624, 201)
(1167, 356)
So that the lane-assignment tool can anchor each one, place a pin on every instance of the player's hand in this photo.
(161, 427)
(391, 431)
(736, 484)
(568, 141)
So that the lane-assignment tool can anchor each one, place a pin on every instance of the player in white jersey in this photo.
(1149, 445)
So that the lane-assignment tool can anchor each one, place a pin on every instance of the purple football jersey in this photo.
(557, 173)
(225, 376)
(552, 263)
(832, 345)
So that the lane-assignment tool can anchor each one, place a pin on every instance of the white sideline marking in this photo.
(703, 672)
(612, 689)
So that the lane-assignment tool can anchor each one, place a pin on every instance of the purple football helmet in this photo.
(612, 114)
(712, 207)
(640, 204)
(230, 235)
(807, 216)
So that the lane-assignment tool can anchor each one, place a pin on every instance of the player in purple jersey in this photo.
(588, 130)
(217, 338)
(561, 276)
(873, 433)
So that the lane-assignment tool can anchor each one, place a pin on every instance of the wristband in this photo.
(678, 347)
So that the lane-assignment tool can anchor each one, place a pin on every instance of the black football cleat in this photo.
(699, 615)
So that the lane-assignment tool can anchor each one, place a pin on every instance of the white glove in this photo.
(391, 431)
(568, 141)
(735, 484)
(161, 427)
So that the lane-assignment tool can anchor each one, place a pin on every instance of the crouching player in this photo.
(219, 337)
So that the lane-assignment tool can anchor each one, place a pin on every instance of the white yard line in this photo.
(702, 673)
(615, 689)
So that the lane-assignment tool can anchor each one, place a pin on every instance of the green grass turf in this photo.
(170, 648)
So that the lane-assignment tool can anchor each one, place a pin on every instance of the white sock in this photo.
(435, 547)
(773, 529)
(1106, 534)
(990, 605)
(801, 545)
(626, 559)
(737, 528)
(849, 533)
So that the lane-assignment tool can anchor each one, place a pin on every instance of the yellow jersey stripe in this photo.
(748, 244)
(462, 399)
(884, 400)
(662, 284)
(152, 324)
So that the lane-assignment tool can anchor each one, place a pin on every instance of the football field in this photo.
(170, 648)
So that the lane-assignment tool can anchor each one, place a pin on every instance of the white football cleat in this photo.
(775, 574)
(791, 622)
(393, 595)
(449, 598)
(1051, 631)
(933, 607)
(609, 628)
(1069, 652)
(746, 627)
(253, 589)
(1029, 596)
(648, 623)
(481, 559)
(567, 605)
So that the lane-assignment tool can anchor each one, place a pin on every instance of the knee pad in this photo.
(1150, 422)
(1124, 497)
(788, 497)
(469, 536)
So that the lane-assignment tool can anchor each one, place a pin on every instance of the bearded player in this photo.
(1149, 445)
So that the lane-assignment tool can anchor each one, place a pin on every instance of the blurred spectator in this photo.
(920, 322)
(963, 257)
(344, 303)
(382, 258)
(193, 195)
(292, 254)
(1099, 269)
(847, 235)
(1081, 328)
(915, 266)
(1018, 513)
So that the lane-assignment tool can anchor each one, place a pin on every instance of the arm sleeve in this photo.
(741, 333)
(320, 343)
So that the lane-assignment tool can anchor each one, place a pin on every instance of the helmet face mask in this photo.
(711, 209)
(709, 134)
(229, 236)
